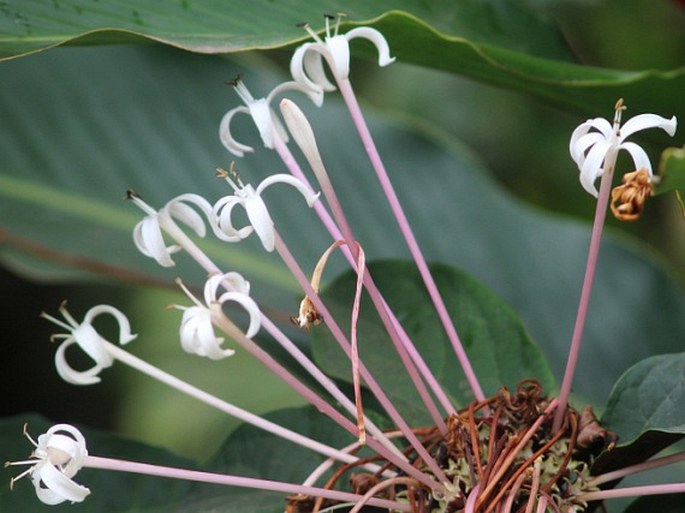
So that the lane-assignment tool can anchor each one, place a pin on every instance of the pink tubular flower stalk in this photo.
(412, 360)
(306, 67)
(594, 147)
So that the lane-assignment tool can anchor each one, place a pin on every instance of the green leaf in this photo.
(252, 452)
(661, 503)
(650, 396)
(110, 491)
(672, 174)
(500, 43)
(74, 147)
(213, 26)
(494, 338)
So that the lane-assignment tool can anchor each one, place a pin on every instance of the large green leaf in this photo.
(498, 346)
(73, 148)
(110, 491)
(495, 42)
(214, 26)
(650, 396)
(251, 452)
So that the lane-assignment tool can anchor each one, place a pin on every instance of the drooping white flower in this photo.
(88, 339)
(197, 330)
(258, 215)
(595, 144)
(148, 234)
(57, 457)
(306, 65)
(262, 114)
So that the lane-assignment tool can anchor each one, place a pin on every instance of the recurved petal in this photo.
(583, 144)
(230, 143)
(147, 236)
(222, 225)
(644, 121)
(125, 335)
(71, 375)
(592, 167)
(250, 307)
(261, 221)
(54, 487)
(640, 158)
(377, 39)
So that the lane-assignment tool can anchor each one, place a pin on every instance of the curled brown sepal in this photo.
(628, 200)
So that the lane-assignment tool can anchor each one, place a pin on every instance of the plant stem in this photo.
(360, 123)
(586, 292)
(373, 385)
(232, 480)
(192, 391)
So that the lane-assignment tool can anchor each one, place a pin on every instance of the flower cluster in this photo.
(514, 451)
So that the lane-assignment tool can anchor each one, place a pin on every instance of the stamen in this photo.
(309, 30)
(242, 90)
(618, 109)
(138, 202)
(232, 172)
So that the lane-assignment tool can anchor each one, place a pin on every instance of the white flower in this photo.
(262, 114)
(257, 213)
(88, 339)
(197, 331)
(57, 458)
(595, 151)
(148, 233)
(306, 65)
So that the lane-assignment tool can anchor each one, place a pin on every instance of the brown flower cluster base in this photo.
(500, 454)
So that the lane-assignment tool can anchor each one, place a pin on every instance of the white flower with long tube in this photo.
(262, 114)
(88, 339)
(148, 234)
(251, 200)
(595, 144)
(197, 330)
(57, 457)
(306, 65)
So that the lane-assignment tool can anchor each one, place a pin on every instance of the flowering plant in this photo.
(469, 443)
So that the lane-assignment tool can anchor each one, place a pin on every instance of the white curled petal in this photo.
(69, 374)
(92, 344)
(261, 221)
(379, 41)
(583, 144)
(197, 334)
(338, 56)
(640, 158)
(54, 487)
(579, 132)
(178, 209)
(185, 214)
(229, 142)
(315, 96)
(644, 121)
(306, 68)
(261, 115)
(309, 196)
(223, 226)
(313, 66)
(250, 307)
(238, 283)
(592, 167)
(73, 447)
(125, 335)
(152, 242)
(603, 126)
(235, 281)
